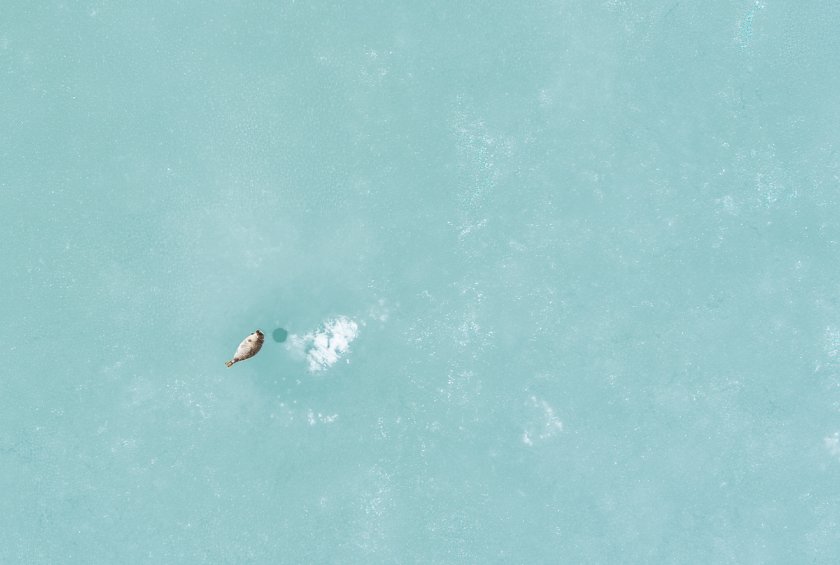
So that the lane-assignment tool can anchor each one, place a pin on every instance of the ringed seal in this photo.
(249, 347)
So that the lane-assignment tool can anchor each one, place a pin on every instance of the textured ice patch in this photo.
(831, 341)
(379, 311)
(831, 346)
(544, 425)
(832, 444)
(745, 26)
(326, 345)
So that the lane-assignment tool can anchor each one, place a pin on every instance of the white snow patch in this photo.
(326, 345)
(313, 418)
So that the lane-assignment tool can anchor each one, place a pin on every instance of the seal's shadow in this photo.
(279, 335)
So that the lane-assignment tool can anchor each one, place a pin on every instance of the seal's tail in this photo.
(229, 363)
